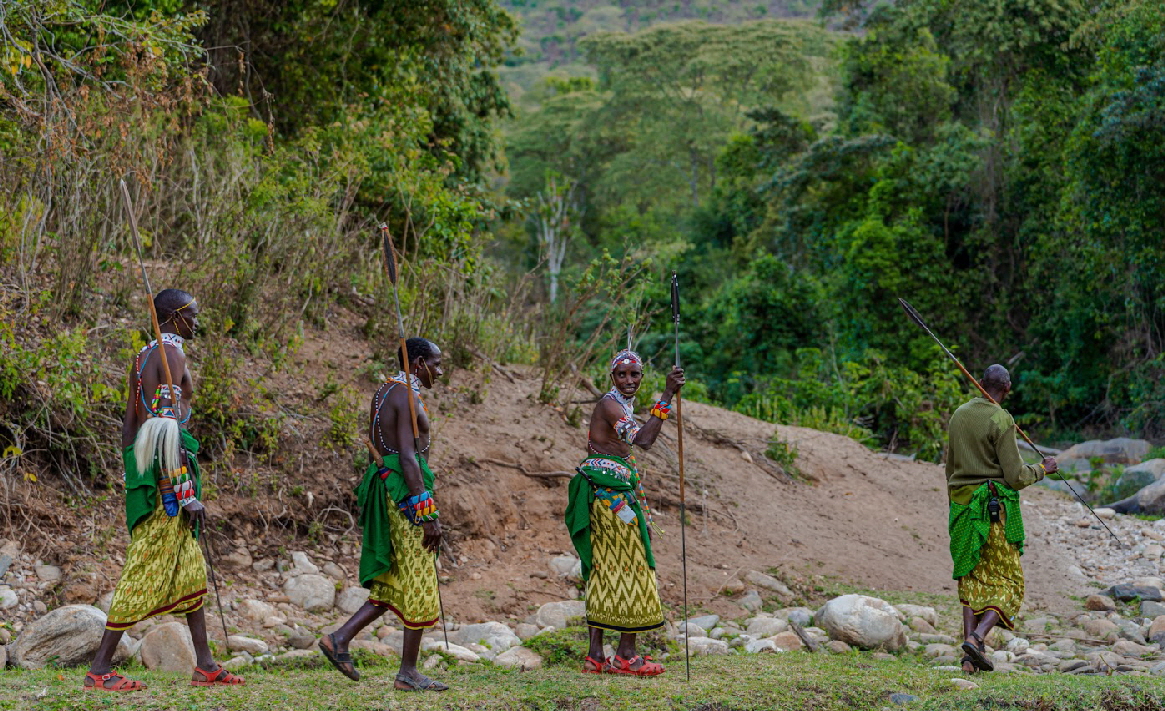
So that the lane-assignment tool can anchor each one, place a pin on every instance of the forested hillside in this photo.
(997, 164)
(552, 29)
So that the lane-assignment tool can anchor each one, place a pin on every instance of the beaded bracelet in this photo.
(661, 409)
(419, 508)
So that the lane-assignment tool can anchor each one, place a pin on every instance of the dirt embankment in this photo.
(503, 460)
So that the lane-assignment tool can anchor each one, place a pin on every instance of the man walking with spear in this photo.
(608, 518)
(985, 473)
(398, 514)
(164, 571)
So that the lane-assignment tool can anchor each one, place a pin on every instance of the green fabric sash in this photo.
(373, 496)
(141, 490)
(578, 508)
(969, 525)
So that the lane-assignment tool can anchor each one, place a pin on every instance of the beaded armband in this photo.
(176, 489)
(419, 509)
(661, 409)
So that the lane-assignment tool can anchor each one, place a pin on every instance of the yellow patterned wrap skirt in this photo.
(996, 583)
(622, 592)
(164, 572)
(409, 588)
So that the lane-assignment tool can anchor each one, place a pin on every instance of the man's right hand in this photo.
(432, 540)
(1050, 465)
(675, 380)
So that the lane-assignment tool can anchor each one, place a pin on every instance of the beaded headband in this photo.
(626, 357)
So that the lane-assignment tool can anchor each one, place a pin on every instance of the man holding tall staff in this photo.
(608, 518)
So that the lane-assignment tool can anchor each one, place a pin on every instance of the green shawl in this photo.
(141, 490)
(373, 496)
(578, 508)
(970, 523)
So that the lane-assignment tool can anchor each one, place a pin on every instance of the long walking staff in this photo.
(675, 316)
(390, 269)
(918, 320)
(137, 241)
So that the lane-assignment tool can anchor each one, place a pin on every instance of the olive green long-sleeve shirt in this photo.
(982, 448)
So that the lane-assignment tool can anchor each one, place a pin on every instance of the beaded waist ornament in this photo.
(419, 508)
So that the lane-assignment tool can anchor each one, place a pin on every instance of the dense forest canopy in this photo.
(545, 165)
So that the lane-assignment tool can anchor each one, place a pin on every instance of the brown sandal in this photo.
(342, 661)
(123, 684)
(598, 667)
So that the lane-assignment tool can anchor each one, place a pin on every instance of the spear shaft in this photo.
(675, 311)
(914, 316)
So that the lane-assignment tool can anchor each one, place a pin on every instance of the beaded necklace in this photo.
(414, 384)
(628, 406)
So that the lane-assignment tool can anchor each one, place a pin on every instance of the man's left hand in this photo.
(197, 513)
(675, 380)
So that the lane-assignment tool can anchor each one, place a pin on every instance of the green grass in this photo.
(731, 683)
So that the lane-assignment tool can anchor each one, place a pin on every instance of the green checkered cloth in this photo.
(969, 525)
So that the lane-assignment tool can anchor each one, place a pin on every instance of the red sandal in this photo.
(219, 677)
(599, 667)
(619, 665)
(122, 684)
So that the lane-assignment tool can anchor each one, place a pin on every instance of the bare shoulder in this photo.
(607, 410)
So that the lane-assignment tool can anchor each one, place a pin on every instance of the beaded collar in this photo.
(414, 382)
(170, 339)
(627, 403)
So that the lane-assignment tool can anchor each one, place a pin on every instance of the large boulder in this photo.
(495, 635)
(1121, 450)
(768, 582)
(760, 627)
(168, 647)
(67, 636)
(313, 593)
(862, 621)
(1150, 500)
(1142, 475)
(558, 614)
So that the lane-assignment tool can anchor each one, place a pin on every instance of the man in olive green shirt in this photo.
(984, 475)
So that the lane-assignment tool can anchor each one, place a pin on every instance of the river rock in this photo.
(938, 650)
(68, 636)
(921, 626)
(759, 627)
(240, 643)
(1149, 500)
(566, 566)
(8, 598)
(1156, 633)
(862, 621)
(458, 652)
(920, 611)
(168, 647)
(706, 621)
(963, 684)
(303, 564)
(787, 642)
(757, 646)
(1127, 648)
(559, 614)
(707, 646)
(751, 601)
(838, 647)
(47, 573)
(1100, 603)
(495, 635)
(313, 593)
(1124, 593)
(519, 658)
(1102, 629)
(525, 630)
(768, 582)
(1143, 474)
(255, 610)
(352, 599)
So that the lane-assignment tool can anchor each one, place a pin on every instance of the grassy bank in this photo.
(780, 681)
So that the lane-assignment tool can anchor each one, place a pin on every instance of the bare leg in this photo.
(203, 657)
(987, 621)
(366, 615)
(626, 648)
(596, 649)
(102, 661)
(408, 666)
(969, 624)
